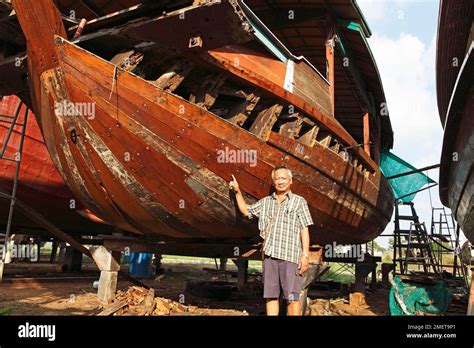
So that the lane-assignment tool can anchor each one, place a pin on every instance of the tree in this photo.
(390, 243)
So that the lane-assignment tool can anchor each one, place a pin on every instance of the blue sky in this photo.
(404, 46)
(392, 17)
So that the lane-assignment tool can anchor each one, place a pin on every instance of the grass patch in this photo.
(5, 311)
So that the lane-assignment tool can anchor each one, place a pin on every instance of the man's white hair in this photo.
(290, 174)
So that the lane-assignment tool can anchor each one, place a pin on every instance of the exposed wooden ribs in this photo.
(171, 80)
(358, 166)
(292, 127)
(326, 141)
(263, 124)
(335, 147)
(239, 114)
(128, 60)
(206, 94)
(232, 92)
(309, 138)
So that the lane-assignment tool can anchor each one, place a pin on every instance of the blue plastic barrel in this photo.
(140, 264)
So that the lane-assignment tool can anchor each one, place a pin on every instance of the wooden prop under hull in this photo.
(148, 161)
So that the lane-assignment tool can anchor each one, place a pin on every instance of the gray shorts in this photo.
(280, 275)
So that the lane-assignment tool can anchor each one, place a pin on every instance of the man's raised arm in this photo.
(234, 185)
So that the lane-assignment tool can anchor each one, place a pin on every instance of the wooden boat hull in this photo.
(40, 185)
(148, 160)
(456, 107)
(457, 161)
(174, 160)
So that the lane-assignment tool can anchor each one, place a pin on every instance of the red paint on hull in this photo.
(40, 185)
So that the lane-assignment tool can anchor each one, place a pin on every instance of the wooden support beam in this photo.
(109, 265)
(171, 80)
(470, 308)
(242, 272)
(239, 114)
(330, 44)
(54, 251)
(309, 138)
(104, 259)
(39, 219)
(367, 133)
(72, 260)
(265, 120)
(376, 135)
(362, 270)
(107, 286)
(206, 94)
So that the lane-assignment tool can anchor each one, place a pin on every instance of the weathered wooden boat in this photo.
(184, 95)
(40, 185)
(454, 72)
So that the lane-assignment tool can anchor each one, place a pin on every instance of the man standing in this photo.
(284, 218)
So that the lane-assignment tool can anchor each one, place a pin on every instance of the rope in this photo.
(114, 78)
(398, 298)
(429, 189)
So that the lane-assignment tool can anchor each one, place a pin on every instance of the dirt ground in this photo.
(58, 293)
(48, 291)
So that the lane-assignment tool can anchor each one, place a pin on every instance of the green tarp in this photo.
(412, 298)
(404, 185)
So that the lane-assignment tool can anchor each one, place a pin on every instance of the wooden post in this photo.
(377, 143)
(367, 133)
(373, 283)
(470, 308)
(109, 265)
(362, 270)
(54, 251)
(72, 260)
(386, 269)
(38, 258)
(223, 264)
(330, 44)
(157, 264)
(242, 270)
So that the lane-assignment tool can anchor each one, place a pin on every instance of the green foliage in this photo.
(390, 243)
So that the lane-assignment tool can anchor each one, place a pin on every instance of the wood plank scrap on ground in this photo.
(138, 301)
